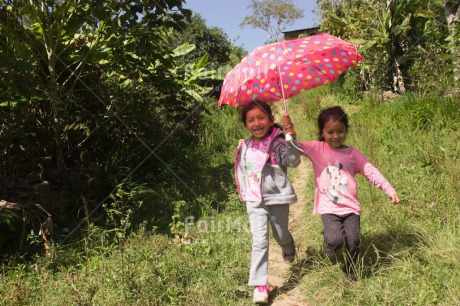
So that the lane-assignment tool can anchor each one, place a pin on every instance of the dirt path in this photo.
(284, 293)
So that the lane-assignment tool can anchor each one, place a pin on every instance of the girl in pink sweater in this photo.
(336, 197)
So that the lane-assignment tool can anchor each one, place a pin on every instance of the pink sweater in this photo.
(335, 170)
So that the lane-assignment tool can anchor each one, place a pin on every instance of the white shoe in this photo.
(261, 294)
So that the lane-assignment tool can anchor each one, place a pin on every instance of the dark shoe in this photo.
(288, 258)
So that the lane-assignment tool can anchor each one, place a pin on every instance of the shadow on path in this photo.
(297, 271)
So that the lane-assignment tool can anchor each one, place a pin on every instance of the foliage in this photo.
(272, 16)
(6, 225)
(119, 211)
(396, 39)
(237, 55)
(452, 12)
(64, 48)
(65, 52)
(151, 271)
(212, 41)
(101, 86)
(193, 75)
(177, 225)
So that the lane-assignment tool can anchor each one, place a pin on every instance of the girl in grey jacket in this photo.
(261, 163)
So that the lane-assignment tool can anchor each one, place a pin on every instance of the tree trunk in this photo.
(55, 101)
(53, 86)
(452, 13)
(398, 79)
(395, 52)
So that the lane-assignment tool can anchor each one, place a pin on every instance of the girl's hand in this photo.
(288, 126)
(394, 199)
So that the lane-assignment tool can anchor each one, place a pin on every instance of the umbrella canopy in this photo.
(284, 69)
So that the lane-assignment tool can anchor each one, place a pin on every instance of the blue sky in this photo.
(228, 14)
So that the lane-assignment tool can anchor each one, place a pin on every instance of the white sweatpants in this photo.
(259, 218)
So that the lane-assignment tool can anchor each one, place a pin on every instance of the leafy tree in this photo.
(93, 82)
(396, 38)
(272, 16)
(212, 41)
(237, 55)
(63, 48)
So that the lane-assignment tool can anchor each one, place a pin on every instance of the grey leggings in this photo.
(339, 230)
(260, 216)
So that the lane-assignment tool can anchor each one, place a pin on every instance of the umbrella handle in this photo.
(282, 88)
(290, 139)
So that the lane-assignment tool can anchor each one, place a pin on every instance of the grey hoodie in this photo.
(276, 187)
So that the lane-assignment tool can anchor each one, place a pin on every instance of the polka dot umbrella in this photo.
(286, 68)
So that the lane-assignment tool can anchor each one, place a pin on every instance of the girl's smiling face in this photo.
(258, 123)
(334, 133)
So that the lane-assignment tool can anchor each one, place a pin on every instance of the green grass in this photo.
(410, 252)
(150, 269)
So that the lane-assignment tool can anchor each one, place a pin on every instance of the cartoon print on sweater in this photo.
(253, 176)
(272, 158)
(337, 182)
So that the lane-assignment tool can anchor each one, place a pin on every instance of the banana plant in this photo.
(67, 43)
(192, 76)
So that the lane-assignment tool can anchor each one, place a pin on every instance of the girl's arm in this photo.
(289, 155)
(374, 176)
(240, 172)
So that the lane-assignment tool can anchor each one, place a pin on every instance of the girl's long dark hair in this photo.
(335, 113)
